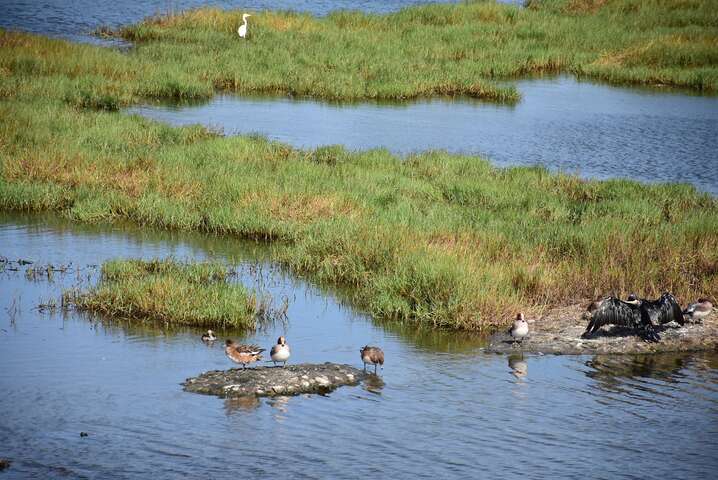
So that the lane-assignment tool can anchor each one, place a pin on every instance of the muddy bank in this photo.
(272, 381)
(559, 332)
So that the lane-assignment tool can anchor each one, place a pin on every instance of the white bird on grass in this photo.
(242, 30)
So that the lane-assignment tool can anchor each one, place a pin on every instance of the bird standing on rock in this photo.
(242, 30)
(520, 329)
(280, 351)
(699, 310)
(373, 355)
(242, 354)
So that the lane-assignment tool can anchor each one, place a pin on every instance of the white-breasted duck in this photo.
(520, 328)
(209, 336)
(280, 352)
(699, 310)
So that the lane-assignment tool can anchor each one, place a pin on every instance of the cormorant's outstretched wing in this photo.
(613, 311)
(664, 310)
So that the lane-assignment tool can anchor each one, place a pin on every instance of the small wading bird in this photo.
(373, 355)
(209, 336)
(242, 30)
(642, 315)
(520, 329)
(698, 311)
(280, 352)
(242, 354)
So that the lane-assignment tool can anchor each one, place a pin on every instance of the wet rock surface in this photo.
(559, 332)
(274, 381)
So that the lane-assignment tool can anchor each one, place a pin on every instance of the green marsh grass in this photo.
(421, 51)
(433, 239)
(441, 49)
(197, 294)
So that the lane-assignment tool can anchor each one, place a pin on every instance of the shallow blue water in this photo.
(591, 129)
(440, 409)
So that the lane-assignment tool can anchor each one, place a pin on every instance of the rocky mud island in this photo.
(273, 381)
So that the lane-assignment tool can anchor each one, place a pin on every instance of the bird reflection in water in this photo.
(280, 405)
(519, 367)
(612, 372)
(373, 384)
(235, 404)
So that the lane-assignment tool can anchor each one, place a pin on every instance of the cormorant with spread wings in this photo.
(643, 315)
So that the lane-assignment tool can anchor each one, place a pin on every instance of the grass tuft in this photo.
(197, 294)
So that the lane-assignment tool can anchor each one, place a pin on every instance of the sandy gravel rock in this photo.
(273, 381)
(559, 332)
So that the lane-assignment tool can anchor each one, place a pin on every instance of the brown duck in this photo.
(373, 355)
(242, 354)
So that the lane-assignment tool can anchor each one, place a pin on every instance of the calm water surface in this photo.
(441, 408)
(76, 19)
(594, 130)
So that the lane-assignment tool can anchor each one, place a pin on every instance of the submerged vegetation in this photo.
(176, 293)
(435, 239)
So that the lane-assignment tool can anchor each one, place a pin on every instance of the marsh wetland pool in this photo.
(585, 128)
(440, 408)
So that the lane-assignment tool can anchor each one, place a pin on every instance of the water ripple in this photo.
(430, 414)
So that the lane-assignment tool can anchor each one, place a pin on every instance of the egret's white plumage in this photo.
(242, 30)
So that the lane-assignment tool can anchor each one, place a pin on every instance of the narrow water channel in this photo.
(441, 407)
(594, 130)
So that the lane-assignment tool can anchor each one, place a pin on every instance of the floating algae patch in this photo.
(199, 294)
(272, 381)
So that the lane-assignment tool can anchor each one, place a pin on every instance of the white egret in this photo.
(242, 30)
